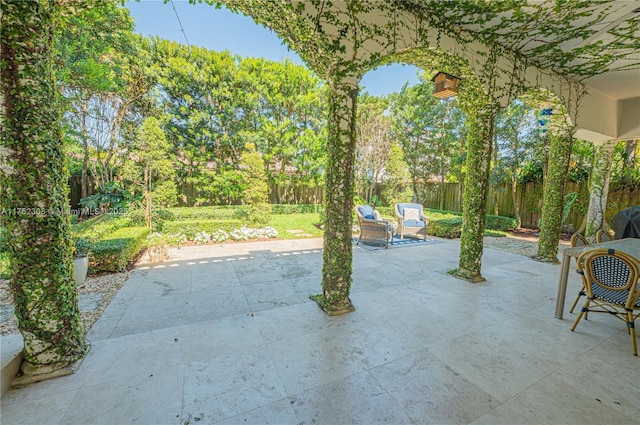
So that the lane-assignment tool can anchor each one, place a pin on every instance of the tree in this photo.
(101, 72)
(288, 120)
(150, 167)
(625, 169)
(256, 192)
(429, 130)
(516, 136)
(397, 184)
(206, 108)
(373, 143)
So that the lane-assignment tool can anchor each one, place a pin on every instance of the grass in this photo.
(296, 226)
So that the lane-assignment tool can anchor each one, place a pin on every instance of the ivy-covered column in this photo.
(599, 188)
(553, 196)
(338, 248)
(33, 200)
(481, 111)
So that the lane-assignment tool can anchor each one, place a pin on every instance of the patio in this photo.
(227, 334)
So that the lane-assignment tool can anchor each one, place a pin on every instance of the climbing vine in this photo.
(338, 248)
(487, 45)
(34, 194)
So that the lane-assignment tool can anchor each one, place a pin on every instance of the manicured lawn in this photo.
(296, 226)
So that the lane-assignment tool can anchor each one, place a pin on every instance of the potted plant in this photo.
(81, 259)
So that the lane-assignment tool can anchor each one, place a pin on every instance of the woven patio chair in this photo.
(578, 240)
(373, 229)
(611, 279)
(411, 218)
(603, 236)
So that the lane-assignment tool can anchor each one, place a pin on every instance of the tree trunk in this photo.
(442, 194)
(630, 149)
(553, 198)
(34, 181)
(338, 252)
(481, 117)
(514, 198)
(146, 195)
(598, 189)
(84, 184)
(496, 210)
(514, 181)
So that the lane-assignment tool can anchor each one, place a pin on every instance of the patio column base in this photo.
(468, 276)
(333, 310)
(544, 259)
(30, 373)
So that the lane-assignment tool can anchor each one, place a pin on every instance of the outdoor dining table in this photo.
(629, 245)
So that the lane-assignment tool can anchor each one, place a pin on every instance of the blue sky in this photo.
(219, 29)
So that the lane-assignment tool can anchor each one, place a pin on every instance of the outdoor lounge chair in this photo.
(411, 219)
(611, 283)
(373, 229)
(603, 236)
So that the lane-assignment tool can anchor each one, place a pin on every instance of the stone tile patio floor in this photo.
(226, 334)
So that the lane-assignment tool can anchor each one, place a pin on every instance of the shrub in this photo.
(5, 272)
(97, 227)
(296, 208)
(446, 224)
(220, 236)
(225, 212)
(322, 215)
(386, 211)
(135, 217)
(432, 211)
(245, 233)
(115, 252)
(256, 191)
(191, 227)
(175, 239)
(3, 239)
(498, 222)
(449, 228)
(202, 238)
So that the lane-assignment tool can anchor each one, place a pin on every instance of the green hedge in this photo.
(223, 212)
(296, 209)
(498, 222)
(432, 211)
(135, 217)
(99, 226)
(191, 227)
(450, 228)
(233, 212)
(116, 251)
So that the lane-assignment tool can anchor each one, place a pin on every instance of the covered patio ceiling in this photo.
(594, 43)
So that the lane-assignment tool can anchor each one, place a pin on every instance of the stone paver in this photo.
(227, 335)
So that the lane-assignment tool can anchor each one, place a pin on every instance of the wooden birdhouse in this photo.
(445, 85)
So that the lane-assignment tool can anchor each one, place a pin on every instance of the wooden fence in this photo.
(447, 197)
(529, 199)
